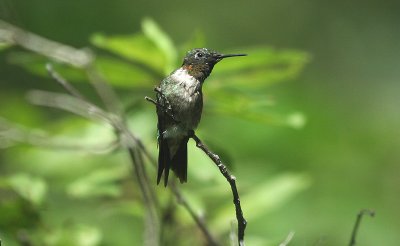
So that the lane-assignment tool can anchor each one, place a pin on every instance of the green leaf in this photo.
(79, 235)
(4, 46)
(262, 67)
(115, 71)
(137, 47)
(120, 73)
(100, 182)
(36, 64)
(131, 208)
(197, 40)
(297, 120)
(162, 41)
(256, 107)
(31, 188)
(88, 236)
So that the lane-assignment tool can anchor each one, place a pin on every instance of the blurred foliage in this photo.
(70, 196)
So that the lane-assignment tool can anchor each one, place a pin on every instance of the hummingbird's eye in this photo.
(199, 55)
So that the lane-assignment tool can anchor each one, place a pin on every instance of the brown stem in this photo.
(200, 223)
(357, 224)
(232, 182)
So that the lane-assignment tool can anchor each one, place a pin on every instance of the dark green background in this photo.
(349, 94)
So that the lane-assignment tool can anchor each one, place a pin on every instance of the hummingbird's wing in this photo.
(164, 153)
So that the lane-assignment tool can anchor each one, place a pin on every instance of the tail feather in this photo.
(164, 161)
(179, 162)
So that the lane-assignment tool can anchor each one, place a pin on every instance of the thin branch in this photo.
(17, 134)
(13, 35)
(78, 104)
(287, 239)
(199, 221)
(104, 90)
(71, 104)
(232, 181)
(357, 224)
(64, 83)
(152, 227)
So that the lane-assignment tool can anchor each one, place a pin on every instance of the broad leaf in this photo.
(137, 47)
(36, 64)
(262, 67)
(120, 73)
(100, 182)
(257, 107)
(31, 188)
(162, 41)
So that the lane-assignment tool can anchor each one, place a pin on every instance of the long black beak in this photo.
(222, 56)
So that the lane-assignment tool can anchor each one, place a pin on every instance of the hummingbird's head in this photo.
(200, 62)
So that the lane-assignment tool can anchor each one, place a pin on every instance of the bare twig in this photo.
(78, 104)
(105, 92)
(71, 104)
(13, 35)
(14, 134)
(152, 221)
(232, 181)
(67, 86)
(199, 221)
(357, 224)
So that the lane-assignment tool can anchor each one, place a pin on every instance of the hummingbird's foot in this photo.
(191, 133)
(151, 100)
(157, 89)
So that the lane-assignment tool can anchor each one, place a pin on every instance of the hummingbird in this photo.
(180, 104)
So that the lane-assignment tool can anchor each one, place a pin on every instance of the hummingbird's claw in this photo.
(157, 89)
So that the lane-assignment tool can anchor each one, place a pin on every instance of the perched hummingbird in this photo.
(180, 101)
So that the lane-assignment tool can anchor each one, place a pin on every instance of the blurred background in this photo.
(310, 147)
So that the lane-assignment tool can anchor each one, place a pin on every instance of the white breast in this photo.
(189, 84)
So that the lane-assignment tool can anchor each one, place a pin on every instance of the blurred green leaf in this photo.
(119, 73)
(100, 182)
(4, 46)
(136, 47)
(197, 205)
(262, 67)
(31, 188)
(252, 106)
(88, 236)
(17, 212)
(78, 235)
(296, 120)
(132, 208)
(264, 197)
(162, 41)
(197, 40)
